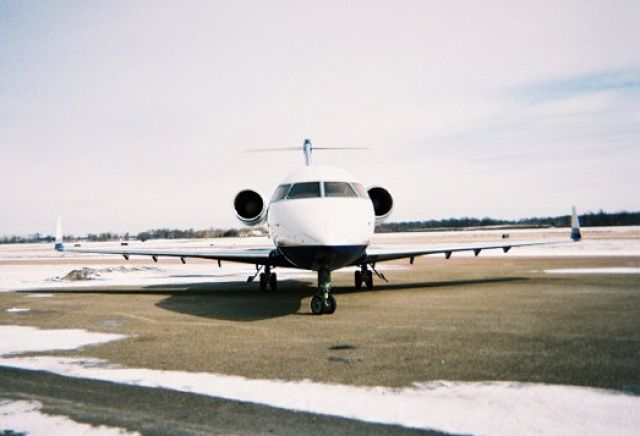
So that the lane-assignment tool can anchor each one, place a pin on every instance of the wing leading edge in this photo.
(374, 255)
(256, 256)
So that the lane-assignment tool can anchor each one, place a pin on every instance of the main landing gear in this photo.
(364, 276)
(323, 302)
(267, 279)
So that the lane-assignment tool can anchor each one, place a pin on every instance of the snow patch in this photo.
(93, 273)
(18, 309)
(613, 270)
(19, 339)
(586, 247)
(33, 277)
(26, 417)
(43, 295)
(492, 408)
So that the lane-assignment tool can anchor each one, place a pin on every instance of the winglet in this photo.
(59, 244)
(575, 226)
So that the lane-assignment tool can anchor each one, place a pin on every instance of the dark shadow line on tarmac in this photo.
(441, 284)
(241, 301)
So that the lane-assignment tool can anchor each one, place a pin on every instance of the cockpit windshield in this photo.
(319, 189)
(281, 192)
(360, 190)
(304, 190)
(339, 189)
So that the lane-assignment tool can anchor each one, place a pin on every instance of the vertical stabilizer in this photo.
(59, 245)
(306, 148)
(575, 226)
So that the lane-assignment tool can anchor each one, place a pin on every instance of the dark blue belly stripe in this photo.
(316, 257)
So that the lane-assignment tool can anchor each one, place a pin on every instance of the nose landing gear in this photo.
(323, 302)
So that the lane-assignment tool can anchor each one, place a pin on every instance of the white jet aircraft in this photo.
(321, 219)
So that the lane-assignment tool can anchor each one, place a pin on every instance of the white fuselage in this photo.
(326, 229)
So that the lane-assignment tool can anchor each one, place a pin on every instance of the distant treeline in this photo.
(142, 236)
(598, 219)
(36, 237)
(591, 219)
(191, 234)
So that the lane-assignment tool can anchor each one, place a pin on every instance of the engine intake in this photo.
(249, 207)
(382, 203)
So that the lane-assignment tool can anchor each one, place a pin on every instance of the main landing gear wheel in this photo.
(358, 280)
(263, 282)
(363, 276)
(267, 279)
(330, 305)
(317, 306)
(368, 280)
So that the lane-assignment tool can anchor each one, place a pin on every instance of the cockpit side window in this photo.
(304, 190)
(339, 189)
(281, 192)
(360, 190)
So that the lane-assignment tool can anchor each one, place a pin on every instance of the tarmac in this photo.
(501, 318)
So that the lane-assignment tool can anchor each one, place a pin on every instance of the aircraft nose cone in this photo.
(336, 227)
(323, 230)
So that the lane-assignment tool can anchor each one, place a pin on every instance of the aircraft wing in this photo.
(374, 255)
(260, 256)
(255, 256)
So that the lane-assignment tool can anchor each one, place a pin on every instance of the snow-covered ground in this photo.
(37, 266)
(21, 339)
(42, 251)
(491, 408)
(586, 247)
(20, 277)
(597, 241)
(613, 270)
(25, 417)
(39, 276)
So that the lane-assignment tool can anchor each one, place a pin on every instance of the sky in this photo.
(126, 116)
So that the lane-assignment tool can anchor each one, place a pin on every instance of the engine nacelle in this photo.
(249, 207)
(382, 203)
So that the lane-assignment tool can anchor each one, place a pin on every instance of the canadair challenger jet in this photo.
(321, 219)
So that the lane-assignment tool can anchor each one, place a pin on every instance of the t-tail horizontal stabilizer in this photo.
(575, 226)
(59, 245)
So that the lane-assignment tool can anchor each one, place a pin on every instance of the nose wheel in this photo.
(319, 306)
(323, 302)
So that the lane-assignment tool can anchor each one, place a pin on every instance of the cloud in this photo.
(627, 81)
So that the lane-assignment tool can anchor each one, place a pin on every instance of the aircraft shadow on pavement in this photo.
(241, 301)
(382, 286)
(236, 301)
